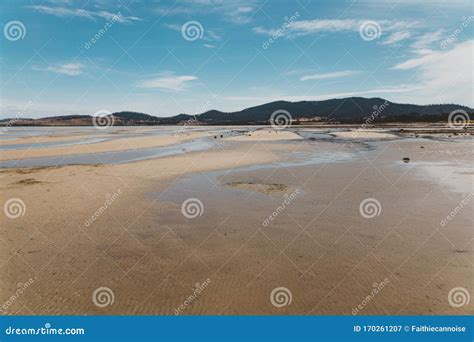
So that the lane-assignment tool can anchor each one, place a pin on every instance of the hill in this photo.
(345, 110)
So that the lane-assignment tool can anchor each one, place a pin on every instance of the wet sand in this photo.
(121, 226)
(121, 144)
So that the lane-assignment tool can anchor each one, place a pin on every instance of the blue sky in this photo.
(189, 56)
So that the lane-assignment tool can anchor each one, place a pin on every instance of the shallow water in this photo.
(316, 154)
(454, 175)
(314, 135)
(116, 157)
(51, 144)
(209, 185)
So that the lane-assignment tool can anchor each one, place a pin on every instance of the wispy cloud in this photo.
(70, 69)
(65, 12)
(264, 31)
(306, 27)
(415, 62)
(423, 50)
(325, 25)
(396, 37)
(236, 11)
(423, 42)
(335, 74)
(177, 83)
(443, 76)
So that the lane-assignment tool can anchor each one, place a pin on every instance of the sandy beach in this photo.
(269, 211)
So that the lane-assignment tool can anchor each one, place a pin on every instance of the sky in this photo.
(169, 57)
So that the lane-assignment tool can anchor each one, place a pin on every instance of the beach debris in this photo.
(406, 160)
(260, 186)
(27, 181)
(422, 146)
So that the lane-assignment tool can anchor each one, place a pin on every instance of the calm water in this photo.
(116, 157)
(312, 156)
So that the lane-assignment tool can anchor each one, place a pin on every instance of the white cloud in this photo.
(235, 11)
(335, 74)
(422, 43)
(443, 76)
(70, 69)
(305, 27)
(396, 37)
(82, 13)
(422, 47)
(176, 83)
(415, 62)
(320, 25)
(264, 31)
(245, 9)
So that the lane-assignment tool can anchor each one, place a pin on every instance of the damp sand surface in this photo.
(122, 226)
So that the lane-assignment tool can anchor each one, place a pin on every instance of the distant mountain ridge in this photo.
(344, 110)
